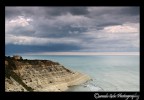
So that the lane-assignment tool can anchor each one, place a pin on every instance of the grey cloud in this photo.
(99, 16)
(55, 11)
(64, 31)
(45, 25)
(22, 31)
(114, 14)
(12, 12)
(102, 25)
(47, 12)
(133, 11)
(52, 22)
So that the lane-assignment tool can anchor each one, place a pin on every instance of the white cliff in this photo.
(42, 75)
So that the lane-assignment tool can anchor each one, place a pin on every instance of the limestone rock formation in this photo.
(39, 75)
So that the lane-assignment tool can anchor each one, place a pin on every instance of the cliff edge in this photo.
(39, 75)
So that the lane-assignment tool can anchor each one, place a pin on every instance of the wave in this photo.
(95, 85)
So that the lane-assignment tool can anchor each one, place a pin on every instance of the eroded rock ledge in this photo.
(39, 75)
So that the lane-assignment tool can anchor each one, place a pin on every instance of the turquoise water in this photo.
(108, 73)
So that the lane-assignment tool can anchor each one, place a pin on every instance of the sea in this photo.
(108, 73)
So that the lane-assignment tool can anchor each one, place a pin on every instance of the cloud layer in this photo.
(72, 29)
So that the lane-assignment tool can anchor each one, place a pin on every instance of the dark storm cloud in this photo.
(56, 11)
(11, 49)
(84, 24)
(132, 11)
(12, 12)
(118, 15)
(102, 25)
(44, 11)
(22, 31)
(42, 17)
(115, 10)
(65, 31)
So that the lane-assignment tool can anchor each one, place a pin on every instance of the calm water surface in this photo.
(108, 73)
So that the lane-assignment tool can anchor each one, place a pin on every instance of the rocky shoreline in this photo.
(39, 75)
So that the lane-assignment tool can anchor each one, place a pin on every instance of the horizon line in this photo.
(82, 53)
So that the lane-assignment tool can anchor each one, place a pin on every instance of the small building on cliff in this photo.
(16, 57)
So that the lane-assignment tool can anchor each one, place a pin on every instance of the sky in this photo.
(37, 30)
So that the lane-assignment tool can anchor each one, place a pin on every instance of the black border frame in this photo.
(64, 95)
